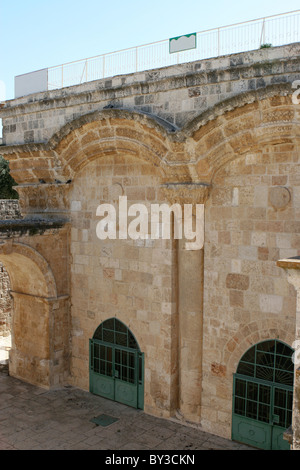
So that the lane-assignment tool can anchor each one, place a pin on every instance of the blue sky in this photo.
(36, 34)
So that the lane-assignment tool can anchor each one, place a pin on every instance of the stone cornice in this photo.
(34, 226)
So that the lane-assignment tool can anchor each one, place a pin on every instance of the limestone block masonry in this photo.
(9, 209)
(223, 133)
(5, 303)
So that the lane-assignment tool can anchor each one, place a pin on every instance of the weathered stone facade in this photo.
(221, 132)
(9, 209)
(5, 303)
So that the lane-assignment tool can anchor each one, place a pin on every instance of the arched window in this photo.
(115, 332)
(117, 364)
(263, 395)
(268, 360)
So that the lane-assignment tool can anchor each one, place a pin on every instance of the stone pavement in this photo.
(32, 418)
(5, 346)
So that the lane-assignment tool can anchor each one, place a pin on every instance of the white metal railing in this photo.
(240, 37)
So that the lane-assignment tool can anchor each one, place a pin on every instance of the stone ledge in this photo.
(289, 263)
(21, 227)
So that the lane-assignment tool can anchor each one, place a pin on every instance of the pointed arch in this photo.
(112, 132)
(250, 334)
(242, 124)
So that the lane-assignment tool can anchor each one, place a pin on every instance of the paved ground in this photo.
(33, 418)
(5, 346)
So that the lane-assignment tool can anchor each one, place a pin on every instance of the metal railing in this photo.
(240, 37)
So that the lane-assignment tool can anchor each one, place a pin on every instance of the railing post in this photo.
(218, 42)
(103, 71)
(262, 37)
(136, 59)
(62, 76)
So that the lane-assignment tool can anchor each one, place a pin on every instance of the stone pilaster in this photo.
(44, 200)
(190, 299)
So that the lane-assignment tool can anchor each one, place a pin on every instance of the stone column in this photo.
(190, 300)
(292, 268)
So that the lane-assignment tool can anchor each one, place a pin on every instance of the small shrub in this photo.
(6, 181)
(265, 46)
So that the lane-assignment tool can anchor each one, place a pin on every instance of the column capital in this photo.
(45, 199)
(186, 193)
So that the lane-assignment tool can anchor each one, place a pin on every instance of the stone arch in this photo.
(251, 334)
(192, 154)
(34, 295)
(241, 124)
(24, 262)
(113, 132)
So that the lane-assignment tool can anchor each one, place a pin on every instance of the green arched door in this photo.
(263, 396)
(117, 364)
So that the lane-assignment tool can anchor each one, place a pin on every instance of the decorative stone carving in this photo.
(279, 197)
(186, 193)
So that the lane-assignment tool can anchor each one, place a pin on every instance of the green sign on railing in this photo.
(183, 43)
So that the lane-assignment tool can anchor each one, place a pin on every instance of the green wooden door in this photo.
(116, 364)
(263, 395)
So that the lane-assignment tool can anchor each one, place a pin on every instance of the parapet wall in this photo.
(176, 94)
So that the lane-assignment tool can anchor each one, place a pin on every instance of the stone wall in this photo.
(132, 280)
(9, 209)
(40, 323)
(228, 129)
(5, 303)
(251, 222)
